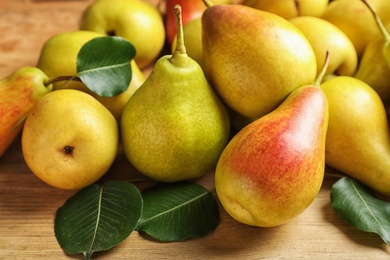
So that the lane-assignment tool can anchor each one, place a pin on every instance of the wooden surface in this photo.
(28, 206)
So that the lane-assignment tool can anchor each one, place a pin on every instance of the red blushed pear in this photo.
(273, 168)
(18, 94)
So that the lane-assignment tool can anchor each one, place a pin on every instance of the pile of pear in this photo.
(266, 94)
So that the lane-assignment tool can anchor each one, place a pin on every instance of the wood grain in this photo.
(28, 206)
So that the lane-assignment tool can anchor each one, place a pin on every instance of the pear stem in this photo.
(321, 76)
(61, 78)
(179, 57)
(378, 20)
(208, 3)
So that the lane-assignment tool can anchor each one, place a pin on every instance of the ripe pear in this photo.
(19, 92)
(175, 127)
(354, 18)
(254, 59)
(69, 139)
(58, 57)
(138, 21)
(325, 36)
(273, 168)
(290, 8)
(358, 140)
(373, 68)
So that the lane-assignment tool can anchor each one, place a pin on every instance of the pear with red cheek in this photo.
(273, 168)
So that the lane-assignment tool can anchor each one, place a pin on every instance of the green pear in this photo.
(358, 138)
(254, 59)
(325, 36)
(19, 92)
(135, 20)
(290, 8)
(354, 18)
(58, 57)
(175, 127)
(69, 139)
(273, 168)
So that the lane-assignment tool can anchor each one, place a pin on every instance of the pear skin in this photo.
(354, 18)
(358, 140)
(253, 58)
(325, 36)
(18, 94)
(69, 140)
(290, 8)
(373, 68)
(273, 168)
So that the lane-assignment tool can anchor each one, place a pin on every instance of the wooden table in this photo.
(28, 206)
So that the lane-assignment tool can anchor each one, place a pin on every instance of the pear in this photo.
(325, 36)
(290, 8)
(58, 57)
(254, 59)
(385, 48)
(138, 21)
(273, 168)
(373, 68)
(69, 139)
(19, 92)
(356, 21)
(358, 140)
(175, 127)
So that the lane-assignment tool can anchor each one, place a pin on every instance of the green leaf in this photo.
(103, 65)
(98, 218)
(356, 205)
(178, 211)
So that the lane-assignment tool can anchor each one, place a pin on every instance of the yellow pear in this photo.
(290, 8)
(69, 139)
(373, 68)
(58, 57)
(135, 20)
(253, 58)
(354, 18)
(358, 138)
(324, 36)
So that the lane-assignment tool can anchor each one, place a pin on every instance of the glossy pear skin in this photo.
(135, 20)
(18, 94)
(273, 168)
(373, 68)
(290, 8)
(58, 57)
(325, 36)
(174, 127)
(254, 59)
(355, 19)
(358, 141)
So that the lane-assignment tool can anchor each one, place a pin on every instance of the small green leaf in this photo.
(356, 205)
(178, 211)
(98, 218)
(103, 65)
